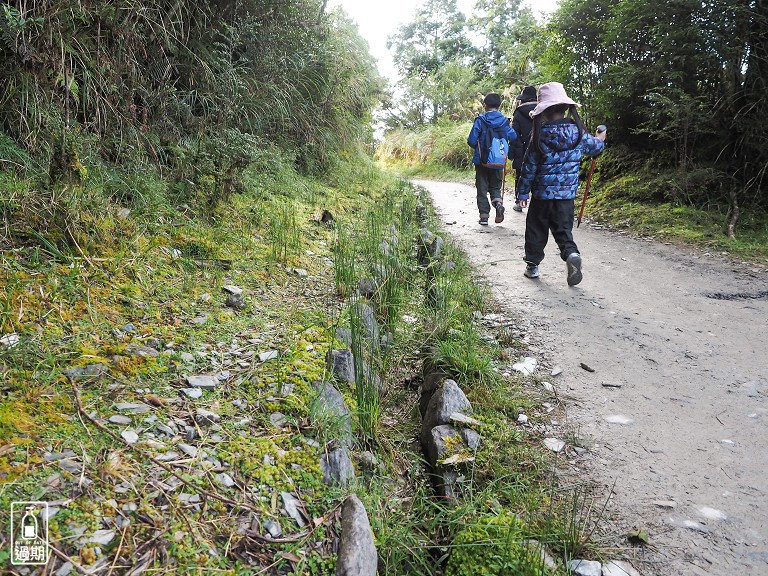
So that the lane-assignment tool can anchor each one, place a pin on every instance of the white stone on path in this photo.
(619, 568)
(193, 393)
(556, 371)
(585, 568)
(522, 418)
(527, 366)
(554, 444)
(619, 419)
(711, 513)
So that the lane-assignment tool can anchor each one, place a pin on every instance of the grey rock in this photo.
(368, 460)
(342, 365)
(90, 372)
(273, 528)
(55, 456)
(368, 320)
(200, 320)
(230, 289)
(300, 272)
(446, 400)
(193, 393)
(432, 380)
(187, 449)
(268, 355)
(435, 443)
(367, 287)
(141, 351)
(133, 407)
(668, 504)
(235, 301)
(65, 569)
(168, 456)
(206, 417)
(187, 358)
(102, 537)
(120, 420)
(330, 405)
(129, 436)
(70, 465)
(225, 480)
(357, 551)
(471, 438)
(278, 419)
(129, 328)
(459, 418)
(337, 467)
(619, 568)
(345, 335)
(206, 382)
(556, 371)
(292, 505)
(585, 568)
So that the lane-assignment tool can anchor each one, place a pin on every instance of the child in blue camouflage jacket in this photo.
(550, 176)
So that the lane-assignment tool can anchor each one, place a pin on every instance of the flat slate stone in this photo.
(585, 568)
(337, 467)
(133, 407)
(119, 419)
(208, 382)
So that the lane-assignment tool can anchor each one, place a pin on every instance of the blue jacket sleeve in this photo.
(474, 134)
(592, 146)
(530, 168)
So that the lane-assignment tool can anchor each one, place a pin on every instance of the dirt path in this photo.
(691, 466)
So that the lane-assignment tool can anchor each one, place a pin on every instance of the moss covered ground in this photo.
(136, 297)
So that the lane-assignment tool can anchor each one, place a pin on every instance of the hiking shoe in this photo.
(573, 263)
(483, 219)
(499, 213)
(531, 271)
(517, 207)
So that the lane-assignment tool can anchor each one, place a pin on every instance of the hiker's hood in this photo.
(559, 135)
(495, 118)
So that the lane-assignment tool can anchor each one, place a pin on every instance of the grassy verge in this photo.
(129, 286)
(623, 202)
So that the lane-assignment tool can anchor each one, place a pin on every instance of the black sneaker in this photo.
(573, 263)
(517, 207)
(483, 219)
(499, 213)
(531, 271)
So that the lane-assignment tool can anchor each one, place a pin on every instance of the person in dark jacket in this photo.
(551, 177)
(489, 180)
(522, 124)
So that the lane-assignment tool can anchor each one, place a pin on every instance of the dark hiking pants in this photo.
(487, 181)
(545, 216)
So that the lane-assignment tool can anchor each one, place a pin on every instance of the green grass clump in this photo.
(494, 546)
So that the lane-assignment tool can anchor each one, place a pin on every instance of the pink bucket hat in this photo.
(551, 94)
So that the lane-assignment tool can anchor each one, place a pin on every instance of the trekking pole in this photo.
(600, 128)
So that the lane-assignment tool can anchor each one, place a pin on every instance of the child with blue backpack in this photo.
(490, 136)
(550, 175)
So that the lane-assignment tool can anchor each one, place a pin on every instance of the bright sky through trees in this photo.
(380, 19)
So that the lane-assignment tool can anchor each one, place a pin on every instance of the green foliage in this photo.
(444, 144)
(494, 546)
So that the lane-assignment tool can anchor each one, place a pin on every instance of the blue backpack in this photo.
(493, 146)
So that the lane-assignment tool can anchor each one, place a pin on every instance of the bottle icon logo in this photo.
(29, 533)
(29, 525)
